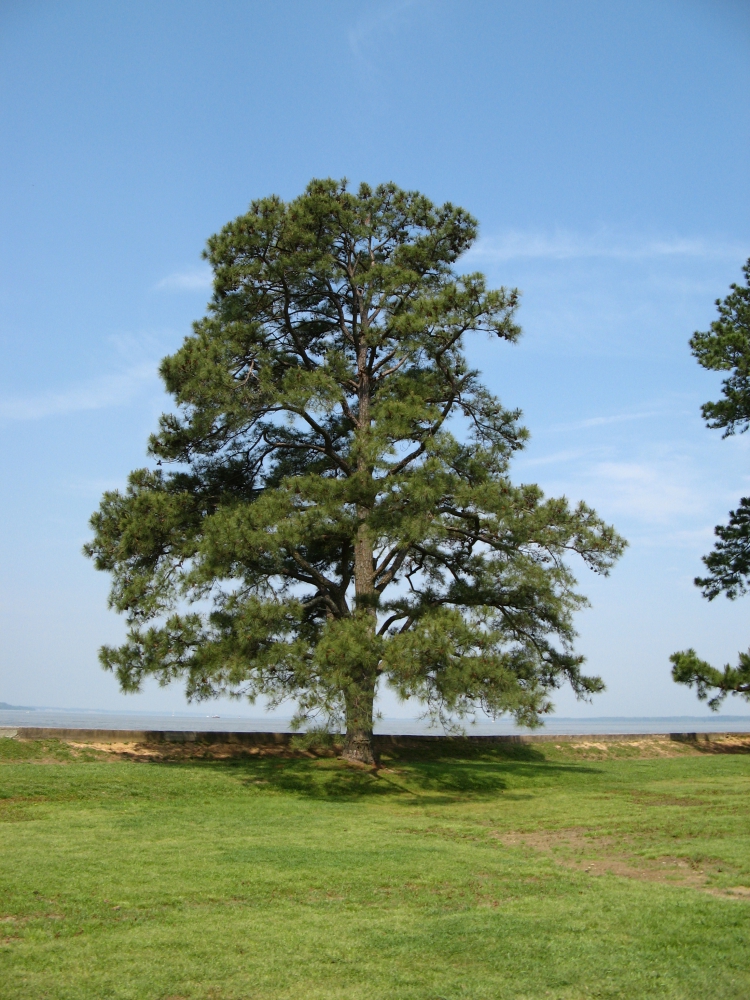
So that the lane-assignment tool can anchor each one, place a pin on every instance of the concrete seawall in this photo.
(383, 741)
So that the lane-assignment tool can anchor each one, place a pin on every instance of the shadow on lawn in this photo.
(435, 778)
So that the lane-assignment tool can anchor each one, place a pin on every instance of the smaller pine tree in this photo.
(725, 347)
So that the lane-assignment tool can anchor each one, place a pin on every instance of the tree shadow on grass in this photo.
(443, 776)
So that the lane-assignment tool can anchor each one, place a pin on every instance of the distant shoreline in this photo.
(55, 718)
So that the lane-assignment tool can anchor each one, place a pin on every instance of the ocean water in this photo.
(56, 718)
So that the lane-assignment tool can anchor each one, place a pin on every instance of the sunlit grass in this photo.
(457, 875)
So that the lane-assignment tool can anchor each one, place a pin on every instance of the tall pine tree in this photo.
(725, 347)
(339, 511)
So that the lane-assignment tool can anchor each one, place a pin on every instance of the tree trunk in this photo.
(358, 745)
(360, 695)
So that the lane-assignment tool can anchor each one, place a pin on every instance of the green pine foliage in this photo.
(725, 347)
(729, 561)
(339, 511)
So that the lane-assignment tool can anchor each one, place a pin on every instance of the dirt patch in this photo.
(728, 744)
(649, 747)
(195, 751)
(583, 851)
(636, 748)
(118, 750)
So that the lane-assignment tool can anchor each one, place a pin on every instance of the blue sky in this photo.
(605, 149)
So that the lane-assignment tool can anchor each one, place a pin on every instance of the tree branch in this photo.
(306, 360)
(428, 434)
(389, 576)
(321, 580)
(389, 621)
(329, 449)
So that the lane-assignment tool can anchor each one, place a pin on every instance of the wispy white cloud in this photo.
(366, 35)
(648, 491)
(192, 280)
(567, 245)
(615, 418)
(556, 458)
(387, 16)
(666, 489)
(95, 394)
(698, 540)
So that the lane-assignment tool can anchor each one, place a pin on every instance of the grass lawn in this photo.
(525, 872)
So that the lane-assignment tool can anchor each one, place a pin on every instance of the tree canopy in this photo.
(338, 512)
(725, 347)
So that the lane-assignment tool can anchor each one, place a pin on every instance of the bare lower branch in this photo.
(319, 578)
(389, 621)
(391, 573)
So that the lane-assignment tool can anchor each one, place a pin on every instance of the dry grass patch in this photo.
(596, 855)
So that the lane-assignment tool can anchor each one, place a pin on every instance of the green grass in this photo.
(458, 875)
